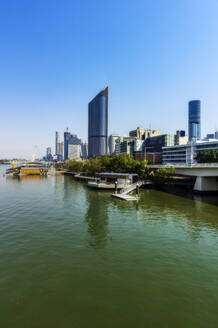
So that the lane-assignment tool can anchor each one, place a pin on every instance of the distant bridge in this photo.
(206, 174)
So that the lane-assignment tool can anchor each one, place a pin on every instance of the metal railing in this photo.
(130, 188)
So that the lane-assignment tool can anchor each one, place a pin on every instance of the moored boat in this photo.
(110, 180)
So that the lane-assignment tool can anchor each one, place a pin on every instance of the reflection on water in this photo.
(211, 198)
(97, 218)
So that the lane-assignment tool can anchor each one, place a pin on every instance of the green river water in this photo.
(75, 257)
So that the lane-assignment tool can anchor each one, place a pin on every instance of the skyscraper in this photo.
(98, 124)
(194, 120)
(74, 151)
(67, 136)
(48, 154)
(60, 148)
(57, 141)
(84, 147)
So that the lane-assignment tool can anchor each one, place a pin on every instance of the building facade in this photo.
(139, 145)
(194, 120)
(74, 140)
(60, 151)
(74, 151)
(84, 149)
(98, 124)
(186, 154)
(112, 143)
(210, 136)
(49, 156)
(124, 145)
(60, 148)
(138, 133)
(155, 144)
(57, 141)
(70, 139)
(181, 138)
(67, 136)
(149, 133)
(143, 134)
(152, 158)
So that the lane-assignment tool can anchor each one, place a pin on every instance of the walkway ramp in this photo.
(125, 191)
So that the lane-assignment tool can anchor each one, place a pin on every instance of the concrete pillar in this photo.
(206, 184)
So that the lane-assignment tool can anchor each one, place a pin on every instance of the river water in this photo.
(74, 257)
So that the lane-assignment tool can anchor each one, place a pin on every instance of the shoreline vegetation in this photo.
(122, 163)
(4, 161)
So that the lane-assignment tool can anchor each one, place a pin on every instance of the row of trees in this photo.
(207, 156)
(122, 163)
(118, 163)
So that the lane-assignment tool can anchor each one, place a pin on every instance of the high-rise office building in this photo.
(112, 143)
(57, 141)
(48, 151)
(194, 120)
(74, 140)
(84, 148)
(74, 151)
(48, 154)
(60, 148)
(60, 151)
(98, 124)
(67, 136)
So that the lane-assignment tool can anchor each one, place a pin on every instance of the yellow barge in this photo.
(32, 170)
(28, 169)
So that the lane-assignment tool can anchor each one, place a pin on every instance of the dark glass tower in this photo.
(194, 120)
(67, 136)
(57, 141)
(98, 124)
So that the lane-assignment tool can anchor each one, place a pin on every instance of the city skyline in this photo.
(152, 63)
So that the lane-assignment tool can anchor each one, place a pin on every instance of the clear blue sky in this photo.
(56, 55)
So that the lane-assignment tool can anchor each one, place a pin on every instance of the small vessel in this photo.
(11, 172)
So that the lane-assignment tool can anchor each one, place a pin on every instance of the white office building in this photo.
(186, 154)
(74, 152)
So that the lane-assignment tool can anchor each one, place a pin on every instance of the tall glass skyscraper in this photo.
(67, 136)
(194, 120)
(57, 141)
(98, 124)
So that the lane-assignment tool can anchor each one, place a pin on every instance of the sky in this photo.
(56, 55)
